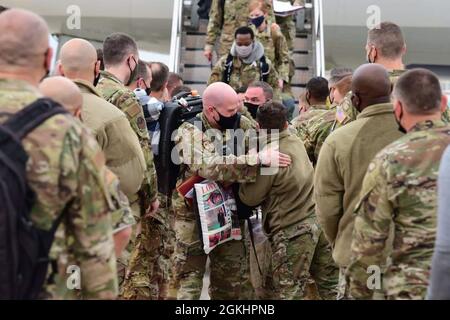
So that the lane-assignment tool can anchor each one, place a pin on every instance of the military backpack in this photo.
(24, 249)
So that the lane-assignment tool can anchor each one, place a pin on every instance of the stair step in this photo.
(196, 72)
(303, 43)
(189, 56)
(302, 76)
(302, 58)
(194, 41)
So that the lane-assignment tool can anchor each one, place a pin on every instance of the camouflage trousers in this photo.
(229, 268)
(287, 26)
(343, 286)
(123, 260)
(302, 267)
(148, 272)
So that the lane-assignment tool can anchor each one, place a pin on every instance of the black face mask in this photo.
(96, 78)
(400, 127)
(133, 73)
(257, 22)
(252, 108)
(148, 90)
(227, 122)
(308, 101)
(47, 70)
(368, 57)
(331, 97)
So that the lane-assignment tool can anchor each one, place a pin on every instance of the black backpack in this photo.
(182, 108)
(24, 249)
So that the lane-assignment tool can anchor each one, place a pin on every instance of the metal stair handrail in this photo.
(175, 41)
(318, 38)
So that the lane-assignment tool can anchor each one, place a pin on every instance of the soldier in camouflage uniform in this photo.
(65, 167)
(315, 131)
(124, 63)
(316, 96)
(300, 251)
(246, 66)
(148, 273)
(346, 155)
(273, 41)
(149, 270)
(287, 24)
(229, 262)
(225, 17)
(400, 193)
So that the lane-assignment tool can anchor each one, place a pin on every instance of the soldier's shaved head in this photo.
(63, 91)
(220, 98)
(370, 85)
(78, 56)
(24, 44)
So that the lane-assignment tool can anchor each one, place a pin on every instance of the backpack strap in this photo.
(222, 6)
(226, 77)
(264, 69)
(26, 120)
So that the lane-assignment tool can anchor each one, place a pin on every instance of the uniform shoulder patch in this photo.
(141, 123)
(133, 110)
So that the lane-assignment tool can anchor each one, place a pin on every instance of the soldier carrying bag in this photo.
(24, 249)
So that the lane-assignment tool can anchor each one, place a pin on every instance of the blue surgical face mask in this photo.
(258, 21)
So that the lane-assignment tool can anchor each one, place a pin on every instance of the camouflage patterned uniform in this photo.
(275, 49)
(287, 25)
(149, 272)
(399, 192)
(66, 168)
(244, 74)
(315, 131)
(229, 262)
(300, 123)
(116, 93)
(224, 23)
(122, 217)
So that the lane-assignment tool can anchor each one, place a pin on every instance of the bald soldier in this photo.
(345, 157)
(124, 156)
(229, 262)
(64, 172)
(66, 93)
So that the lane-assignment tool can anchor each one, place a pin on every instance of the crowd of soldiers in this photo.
(355, 185)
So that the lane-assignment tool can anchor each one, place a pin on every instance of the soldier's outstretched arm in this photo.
(371, 231)
(329, 192)
(199, 153)
(89, 216)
